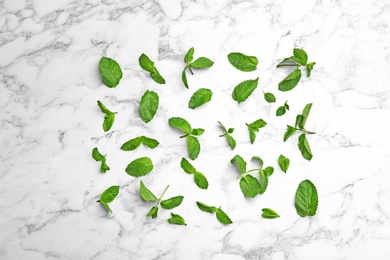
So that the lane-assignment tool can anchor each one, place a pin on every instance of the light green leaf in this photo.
(269, 213)
(131, 144)
(249, 186)
(201, 63)
(206, 208)
(257, 158)
(153, 212)
(263, 181)
(305, 115)
(189, 55)
(146, 194)
(290, 131)
(269, 97)
(156, 76)
(280, 111)
(306, 199)
(140, 167)
(231, 141)
(298, 121)
(105, 205)
(309, 68)
(223, 217)
(290, 81)
(146, 63)
(304, 147)
(284, 163)
(243, 90)
(241, 164)
(197, 131)
(149, 142)
(103, 108)
(172, 202)
(200, 97)
(184, 77)
(187, 166)
(200, 180)
(108, 122)
(110, 72)
(176, 219)
(269, 170)
(300, 56)
(97, 155)
(148, 106)
(180, 123)
(109, 194)
(243, 62)
(193, 146)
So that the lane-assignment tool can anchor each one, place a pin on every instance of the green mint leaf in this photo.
(148, 106)
(241, 164)
(104, 167)
(146, 63)
(189, 55)
(269, 170)
(176, 219)
(290, 131)
(243, 62)
(110, 72)
(97, 155)
(243, 90)
(201, 63)
(305, 115)
(231, 141)
(257, 158)
(290, 81)
(140, 167)
(201, 181)
(193, 146)
(149, 142)
(200, 97)
(249, 186)
(300, 56)
(187, 166)
(108, 196)
(230, 130)
(227, 133)
(269, 97)
(184, 77)
(131, 144)
(222, 217)
(206, 208)
(197, 131)
(263, 181)
(153, 212)
(103, 108)
(172, 202)
(108, 122)
(309, 68)
(252, 135)
(298, 121)
(254, 127)
(269, 213)
(180, 123)
(306, 199)
(146, 194)
(284, 163)
(286, 105)
(105, 205)
(304, 147)
(156, 76)
(280, 111)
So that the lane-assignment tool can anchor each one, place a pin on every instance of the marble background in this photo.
(49, 84)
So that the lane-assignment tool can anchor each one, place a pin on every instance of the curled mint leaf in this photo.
(146, 194)
(269, 213)
(176, 219)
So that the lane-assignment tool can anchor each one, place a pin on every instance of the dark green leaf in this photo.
(286, 105)
(110, 72)
(184, 77)
(197, 131)
(241, 164)
(103, 108)
(231, 141)
(306, 199)
(269, 213)
(243, 90)
(148, 106)
(146, 63)
(156, 76)
(200, 97)
(206, 208)
(243, 62)
(176, 219)
(193, 146)
(230, 130)
(104, 167)
(290, 131)
(153, 212)
(269, 170)
(108, 122)
(187, 166)
(284, 163)
(180, 123)
(304, 147)
(140, 167)
(298, 121)
(280, 111)
(189, 55)
(146, 194)
(97, 155)
(222, 217)
(109, 194)
(249, 186)
(263, 181)
(309, 68)
(290, 81)
(149, 142)
(201, 180)
(172, 202)
(300, 56)
(201, 63)
(269, 97)
(131, 144)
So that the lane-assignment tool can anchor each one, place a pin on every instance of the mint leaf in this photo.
(241, 164)
(187, 166)
(269, 213)
(231, 141)
(97, 155)
(269, 170)
(103, 108)
(280, 111)
(269, 97)
(263, 181)
(193, 146)
(243, 62)
(172, 202)
(108, 196)
(180, 123)
(206, 208)
(131, 144)
(309, 68)
(290, 81)
(249, 186)
(189, 55)
(243, 90)
(257, 158)
(304, 147)
(184, 77)
(223, 217)
(254, 127)
(290, 131)
(149, 142)
(108, 122)
(176, 219)
(153, 212)
(201, 63)
(305, 115)
(201, 181)
(300, 56)
(110, 72)
(148, 106)
(306, 199)
(156, 76)
(140, 167)
(148, 65)
(200, 97)
(227, 133)
(284, 163)
(146, 194)
(104, 167)
(197, 131)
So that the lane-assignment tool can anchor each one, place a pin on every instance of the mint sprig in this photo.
(135, 142)
(100, 157)
(108, 196)
(200, 63)
(109, 117)
(199, 179)
(220, 214)
(282, 109)
(254, 127)
(148, 65)
(228, 135)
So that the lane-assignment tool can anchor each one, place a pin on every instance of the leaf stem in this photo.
(306, 131)
(184, 135)
(191, 70)
(245, 173)
(162, 194)
(287, 65)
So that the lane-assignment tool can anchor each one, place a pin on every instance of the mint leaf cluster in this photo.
(220, 214)
(148, 65)
(200, 63)
(109, 117)
(228, 135)
(254, 127)
(100, 158)
(108, 196)
(199, 179)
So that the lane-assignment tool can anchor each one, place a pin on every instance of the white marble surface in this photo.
(49, 84)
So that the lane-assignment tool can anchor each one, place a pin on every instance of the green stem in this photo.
(245, 173)
(184, 135)
(162, 194)
(306, 131)
(287, 65)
